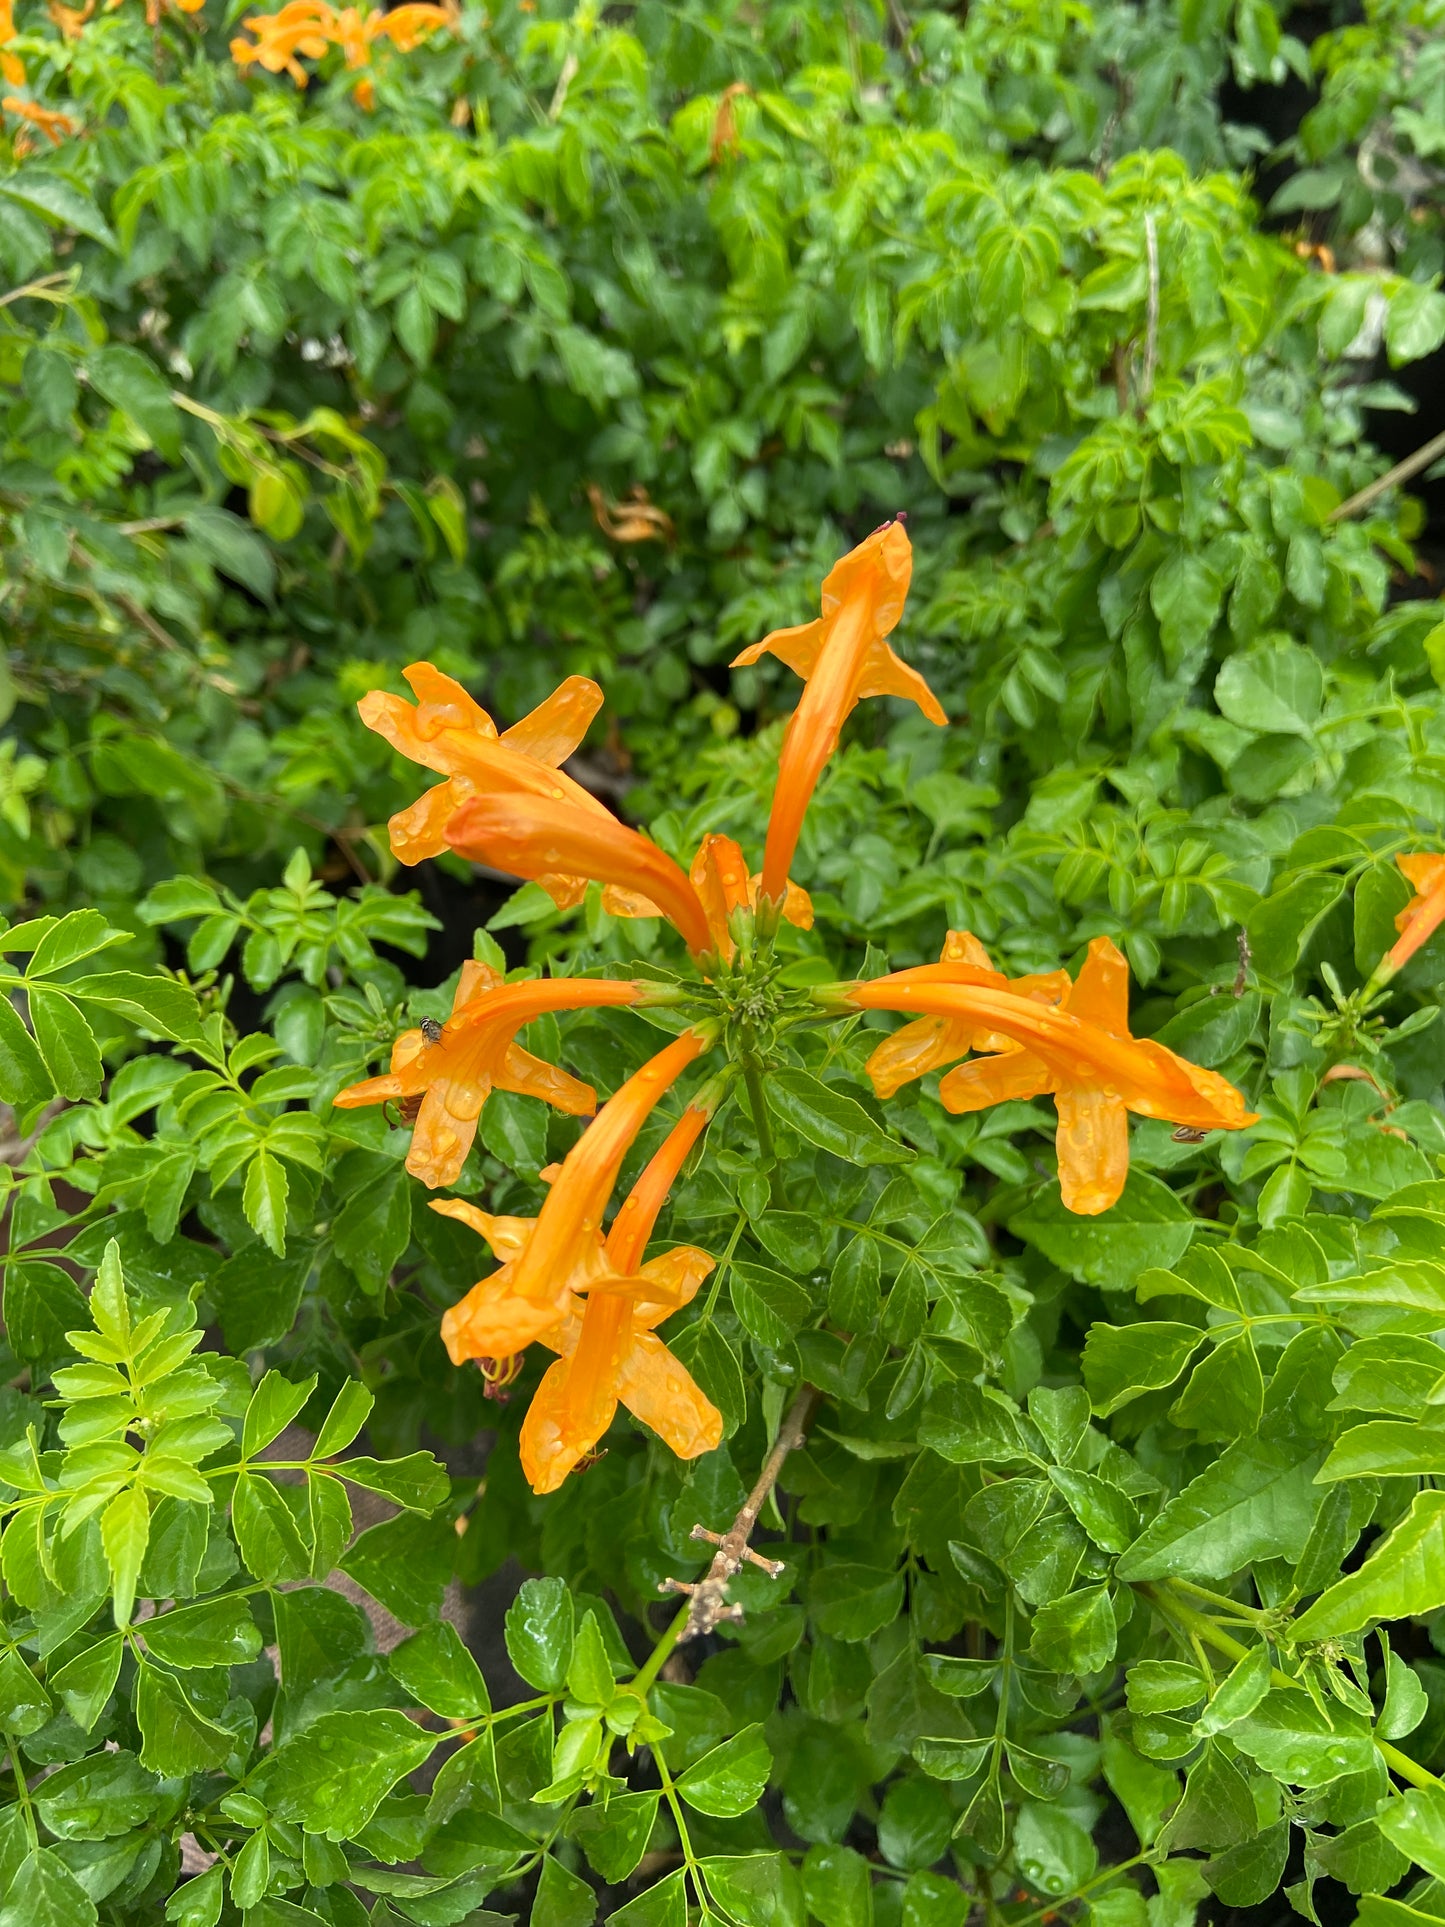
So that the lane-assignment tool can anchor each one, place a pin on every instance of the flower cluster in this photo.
(588, 1294)
(304, 29)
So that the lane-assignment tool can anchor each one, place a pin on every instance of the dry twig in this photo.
(710, 1602)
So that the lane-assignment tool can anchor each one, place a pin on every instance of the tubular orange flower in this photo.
(720, 877)
(448, 732)
(309, 27)
(637, 519)
(1082, 1054)
(842, 657)
(1422, 915)
(536, 837)
(455, 1070)
(928, 1042)
(12, 67)
(574, 1206)
(610, 1353)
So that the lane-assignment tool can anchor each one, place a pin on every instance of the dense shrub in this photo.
(581, 344)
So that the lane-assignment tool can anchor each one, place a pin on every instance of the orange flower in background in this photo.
(306, 28)
(12, 67)
(635, 520)
(609, 1352)
(447, 731)
(842, 657)
(725, 143)
(1083, 1054)
(455, 1068)
(1422, 915)
(535, 837)
(720, 877)
(929, 1042)
(55, 126)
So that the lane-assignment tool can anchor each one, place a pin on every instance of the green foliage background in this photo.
(293, 393)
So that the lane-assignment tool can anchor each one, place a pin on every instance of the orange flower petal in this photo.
(534, 836)
(994, 1080)
(556, 726)
(659, 1390)
(1423, 915)
(1093, 1147)
(549, 1438)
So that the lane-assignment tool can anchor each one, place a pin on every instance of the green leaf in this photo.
(664, 1905)
(320, 1634)
(24, 1080)
(45, 1893)
(267, 1535)
(1276, 690)
(968, 1425)
(133, 384)
(715, 1365)
(1053, 1852)
(1249, 1873)
(198, 1902)
(1217, 1810)
(758, 1889)
(1279, 927)
(831, 1119)
(1237, 1694)
(1121, 1361)
(539, 1633)
(67, 1043)
(1416, 1825)
(232, 546)
(562, 1900)
(176, 1737)
(372, 1229)
(730, 1779)
(1403, 1577)
(1257, 1501)
(770, 1307)
(838, 1886)
(614, 1837)
(405, 1563)
(418, 1482)
(589, 1673)
(86, 1682)
(437, 1670)
(275, 1402)
(58, 201)
(331, 1777)
(80, 934)
(217, 1632)
(25, 1705)
(42, 1303)
(124, 1529)
(1298, 1741)
(98, 1797)
(258, 1296)
(264, 1199)
(349, 1412)
(1149, 1225)
(852, 1602)
(156, 1004)
(1075, 1634)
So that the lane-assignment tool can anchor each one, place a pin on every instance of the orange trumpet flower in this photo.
(308, 27)
(559, 1253)
(720, 877)
(842, 657)
(536, 837)
(451, 1069)
(1082, 1054)
(1422, 915)
(928, 1042)
(447, 731)
(610, 1353)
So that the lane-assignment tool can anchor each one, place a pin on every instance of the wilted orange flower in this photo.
(929, 1042)
(635, 520)
(453, 1070)
(724, 143)
(843, 657)
(720, 877)
(1082, 1054)
(55, 126)
(533, 836)
(447, 731)
(306, 28)
(1422, 915)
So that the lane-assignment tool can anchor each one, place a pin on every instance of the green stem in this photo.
(662, 1651)
(1204, 1628)
(753, 1081)
(679, 1818)
(1051, 1907)
(22, 1794)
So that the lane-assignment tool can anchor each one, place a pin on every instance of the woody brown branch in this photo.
(710, 1603)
